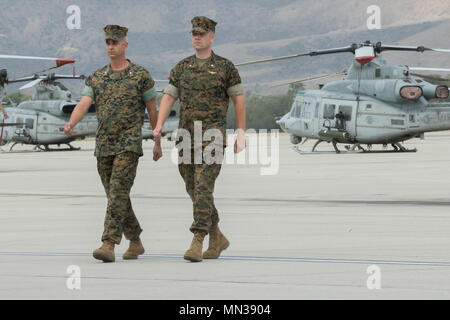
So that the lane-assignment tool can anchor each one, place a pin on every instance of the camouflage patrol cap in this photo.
(203, 24)
(115, 32)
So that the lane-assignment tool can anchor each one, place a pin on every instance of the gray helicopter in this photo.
(376, 103)
(40, 121)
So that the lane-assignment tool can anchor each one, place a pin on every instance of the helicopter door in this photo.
(328, 115)
(30, 125)
(307, 118)
(25, 129)
(347, 113)
(315, 123)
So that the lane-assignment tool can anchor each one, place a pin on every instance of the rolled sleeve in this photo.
(171, 90)
(88, 91)
(150, 94)
(235, 90)
(147, 82)
(233, 78)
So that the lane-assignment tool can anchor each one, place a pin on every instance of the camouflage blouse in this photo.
(119, 98)
(203, 92)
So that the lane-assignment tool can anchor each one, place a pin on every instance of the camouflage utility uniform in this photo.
(119, 98)
(204, 87)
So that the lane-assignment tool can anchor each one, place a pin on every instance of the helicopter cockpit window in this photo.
(29, 123)
(329, 111)
(316, 111)
(306, 111)
(347, 111)
(293, 111)
(298, 110)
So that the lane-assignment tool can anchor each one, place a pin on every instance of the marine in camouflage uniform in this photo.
(202, 90)
(120, 98)
(204, 87)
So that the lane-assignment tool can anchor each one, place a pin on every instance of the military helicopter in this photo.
(40, 121)
(376, 103)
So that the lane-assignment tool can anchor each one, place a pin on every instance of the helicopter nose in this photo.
(281, 123)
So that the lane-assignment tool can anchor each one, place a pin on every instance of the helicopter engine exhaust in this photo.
(435, 91)
(442, 92)
(391, 90)
(411, 92)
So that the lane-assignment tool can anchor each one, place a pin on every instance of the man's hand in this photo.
(157, 132)
(240, 142)
(5, 115)
(157, 152)
(239, 110)
(68, 129)
(77, 114)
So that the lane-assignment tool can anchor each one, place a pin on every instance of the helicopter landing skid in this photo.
(46, 148)
(355, 148)
(42, 147)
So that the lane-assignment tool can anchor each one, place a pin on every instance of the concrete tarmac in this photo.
(315, 230)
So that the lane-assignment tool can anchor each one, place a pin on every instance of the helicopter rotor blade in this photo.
(378, 48)
(59, 62)
(65, 76)
(383, 47)
(24, 79)
(50, 77)
(31, 84)
(351, 49)
(270, 60)
(440, 50)
(429, 69)
(310, 79)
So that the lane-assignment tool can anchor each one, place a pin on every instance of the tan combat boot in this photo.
(217, 243)
(194, 253)
(134, 250)
(105, 252)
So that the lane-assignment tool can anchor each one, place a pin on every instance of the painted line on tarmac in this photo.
(431, 202)
(244, 258)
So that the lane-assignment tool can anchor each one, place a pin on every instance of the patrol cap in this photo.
(203, 25)
(115, 32)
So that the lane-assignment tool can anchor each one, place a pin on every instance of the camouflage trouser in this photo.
(199, 180)
(117, 174)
